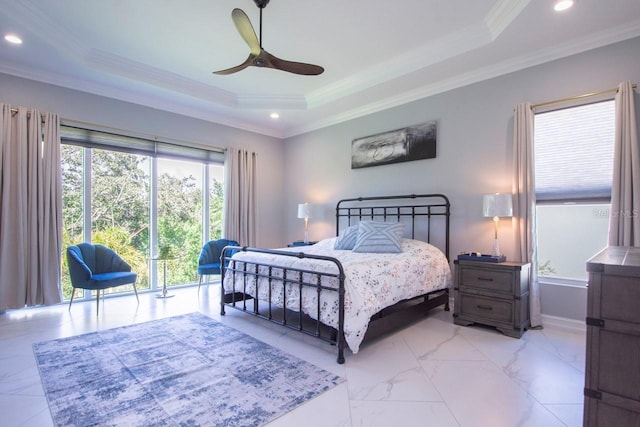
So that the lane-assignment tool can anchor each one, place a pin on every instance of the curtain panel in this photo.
(524, 202)
(241, 198)
(624, 222)
(30, 208)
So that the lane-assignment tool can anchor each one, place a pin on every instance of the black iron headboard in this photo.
(416, 211)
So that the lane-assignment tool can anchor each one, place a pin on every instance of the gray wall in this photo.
(475, 126)
(98, 110)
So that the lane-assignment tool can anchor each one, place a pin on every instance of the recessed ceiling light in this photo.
(563, 5)
(12, 38)
(275, 116)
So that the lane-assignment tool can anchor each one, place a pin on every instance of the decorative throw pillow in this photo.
(347, 238)
(379, 237)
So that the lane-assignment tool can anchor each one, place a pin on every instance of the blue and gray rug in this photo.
(187, 370)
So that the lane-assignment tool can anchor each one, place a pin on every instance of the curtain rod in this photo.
(574, 98)
(15, 111)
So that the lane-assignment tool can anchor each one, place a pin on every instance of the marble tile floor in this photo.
(428, 373)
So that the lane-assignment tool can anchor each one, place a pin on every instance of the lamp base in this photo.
(496, 248)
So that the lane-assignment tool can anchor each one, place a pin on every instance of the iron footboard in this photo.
(255, 276)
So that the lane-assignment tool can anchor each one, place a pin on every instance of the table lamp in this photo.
(304, 211)
(497, 205)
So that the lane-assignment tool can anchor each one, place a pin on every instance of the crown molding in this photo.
(446, 47)
(210, 103)
(502, 15)
(118, 65)
(603, 38)
(156, 103)
(584, 44)
(459, 42)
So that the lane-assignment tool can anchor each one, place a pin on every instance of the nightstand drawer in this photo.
(487, 308)
(491, 280)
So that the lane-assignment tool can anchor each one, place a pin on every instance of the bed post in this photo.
(222, 313)
(447, 225)
(340, 337)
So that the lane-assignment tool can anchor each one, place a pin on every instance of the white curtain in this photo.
(241, 199)
(624, 223)
(30, 208)
(524, 202)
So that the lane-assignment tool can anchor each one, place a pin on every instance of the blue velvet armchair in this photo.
(209, 261)
(97, 267)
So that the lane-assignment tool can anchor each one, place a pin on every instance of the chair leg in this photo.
(97, 301)
(136, 291)
(199, 283)
(73, 292)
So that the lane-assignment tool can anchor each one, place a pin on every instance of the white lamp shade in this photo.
(304, 210)
(497, 205)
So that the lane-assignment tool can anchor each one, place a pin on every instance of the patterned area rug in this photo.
(187, 370)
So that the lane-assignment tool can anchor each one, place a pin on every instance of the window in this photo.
(134, 194)
(574, 171)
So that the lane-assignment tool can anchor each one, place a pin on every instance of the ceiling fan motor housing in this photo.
(261, 3)
(259, 62)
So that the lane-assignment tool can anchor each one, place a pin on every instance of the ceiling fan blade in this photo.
(237, 68)
(241, 20)
(293, 67)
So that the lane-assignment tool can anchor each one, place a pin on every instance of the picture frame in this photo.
(407, 144)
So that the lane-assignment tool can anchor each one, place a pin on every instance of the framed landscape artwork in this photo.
(396, 146)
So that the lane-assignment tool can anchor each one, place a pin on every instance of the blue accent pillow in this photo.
(347, 238)
(379, 237)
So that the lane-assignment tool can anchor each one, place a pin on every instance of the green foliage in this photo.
(167, 251)
(72, 190)
(545, 269)
(119, 239)
(120, 189)
(215, 210)
(180, 224)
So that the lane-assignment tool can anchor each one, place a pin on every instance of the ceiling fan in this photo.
(260, 57)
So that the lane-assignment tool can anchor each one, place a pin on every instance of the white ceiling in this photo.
(376, 53)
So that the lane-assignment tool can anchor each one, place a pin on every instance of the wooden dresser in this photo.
(612, 374)
(495, 294)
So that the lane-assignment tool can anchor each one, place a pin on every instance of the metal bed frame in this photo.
(418, 211)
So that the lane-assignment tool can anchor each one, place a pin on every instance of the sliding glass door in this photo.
(137, 204)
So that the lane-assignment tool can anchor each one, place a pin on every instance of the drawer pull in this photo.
(485, 279)
(484, 307)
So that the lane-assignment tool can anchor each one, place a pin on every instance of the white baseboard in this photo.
(565, 323)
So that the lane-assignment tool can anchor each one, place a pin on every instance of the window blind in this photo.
(574, 153)
(92, 138)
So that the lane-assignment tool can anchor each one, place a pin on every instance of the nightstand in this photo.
(494, 294)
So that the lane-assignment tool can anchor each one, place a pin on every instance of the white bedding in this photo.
(372, 281)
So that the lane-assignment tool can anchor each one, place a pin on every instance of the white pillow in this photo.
(379, 237)
(347, 238)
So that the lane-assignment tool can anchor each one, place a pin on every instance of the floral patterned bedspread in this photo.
(372, 281)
